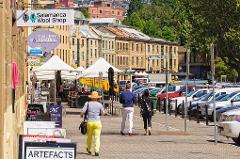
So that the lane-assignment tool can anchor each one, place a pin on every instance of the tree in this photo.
(134, 6)
(85, 13)
(135, 21)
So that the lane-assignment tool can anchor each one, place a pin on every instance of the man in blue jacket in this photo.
(127, 100)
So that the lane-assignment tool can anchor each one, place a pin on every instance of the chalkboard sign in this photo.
(56, 114)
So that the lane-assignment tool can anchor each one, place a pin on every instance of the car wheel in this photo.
(236, 140)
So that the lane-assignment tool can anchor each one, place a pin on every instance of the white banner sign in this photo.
(45, 17)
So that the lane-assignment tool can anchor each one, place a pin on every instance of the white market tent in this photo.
(100, 66)
(47, 70)
(80, 69)
(54, 64)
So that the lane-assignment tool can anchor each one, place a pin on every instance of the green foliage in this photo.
(222, 68)
(85, 13)
(135, 21)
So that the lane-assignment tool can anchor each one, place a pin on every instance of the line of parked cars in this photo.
(227, 104)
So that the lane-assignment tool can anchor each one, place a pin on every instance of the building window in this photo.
(174, 63)
(63, 39)
(103, 44)
(95, 53)
(90, 42)
(109, 45)
(133, 61)
(132, 47)
(73, 42)
(127, 46)
(121, 60)
(123, 46)
(91, 53)
(157, 62)
(148, 48)
(175, 50)
(120, 46)
(118, 13)
(112, 59)
(127, 61)
(137, 61)
(112, 45)
(136, 47)
(100, 11)
(117, 60)
(157, 49)
(153, 63)
(153, 49)
(117, 46)
(82, 42)
(95, 42)
(142, 61)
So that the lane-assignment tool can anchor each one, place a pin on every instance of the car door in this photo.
(236, 101)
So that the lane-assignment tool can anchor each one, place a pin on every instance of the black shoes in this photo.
(96, 154)
(89, 152)
(122, 133)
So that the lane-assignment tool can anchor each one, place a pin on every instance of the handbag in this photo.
(83, 124)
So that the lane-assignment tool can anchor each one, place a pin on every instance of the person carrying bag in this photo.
(93, 109)
(146, 112)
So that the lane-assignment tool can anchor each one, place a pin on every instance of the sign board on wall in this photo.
(50, 150)
(45, 17)
(44, 39)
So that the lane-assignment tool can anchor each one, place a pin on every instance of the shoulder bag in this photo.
(83, 125)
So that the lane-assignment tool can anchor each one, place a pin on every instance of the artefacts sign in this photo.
(44, 39)
(45, 17)
(50, 151)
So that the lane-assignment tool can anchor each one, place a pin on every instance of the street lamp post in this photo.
(213, 84)
(186, 90)
(166, 115)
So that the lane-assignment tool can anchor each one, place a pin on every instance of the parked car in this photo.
(194, 95)
(230, 100)
(229, 125)
(223, 110)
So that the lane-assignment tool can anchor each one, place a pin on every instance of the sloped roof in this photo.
(135, 33)
(87, 32)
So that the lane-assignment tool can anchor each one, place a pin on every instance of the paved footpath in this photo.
(196, 144)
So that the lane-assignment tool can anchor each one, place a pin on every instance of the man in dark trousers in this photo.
(127, 100)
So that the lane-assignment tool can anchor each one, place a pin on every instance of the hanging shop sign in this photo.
(35, 51)
(44, 39)
(50, 150)
(46, 17)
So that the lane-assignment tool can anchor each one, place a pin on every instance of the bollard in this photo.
(206, 114)
(190, 110)
(169, 109)
(164, 106)
(197, 114)
(183, 110)
(176, 108)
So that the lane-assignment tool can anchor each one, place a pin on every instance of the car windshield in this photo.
(207, 97)
(191, 93)
(228, 97)
(219, 98)
(156, 90)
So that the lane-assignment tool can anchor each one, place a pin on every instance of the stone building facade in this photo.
(12, 50)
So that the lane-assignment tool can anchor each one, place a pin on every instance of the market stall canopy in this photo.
(100, 66)
(54, 64)
(50, 75)
(80, 69)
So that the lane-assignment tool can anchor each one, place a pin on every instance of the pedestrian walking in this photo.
(127, 100)
(147, 112)
(93, 110)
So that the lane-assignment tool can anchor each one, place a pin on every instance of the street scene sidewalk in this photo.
(162, 144)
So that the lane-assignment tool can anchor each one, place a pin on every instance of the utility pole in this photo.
(186, 90)
(213, 85)
(166, 115)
